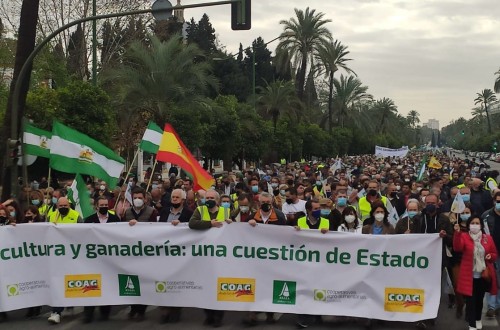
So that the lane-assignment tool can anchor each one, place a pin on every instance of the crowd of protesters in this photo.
(354, 194)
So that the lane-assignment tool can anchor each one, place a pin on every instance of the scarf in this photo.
(479, 264)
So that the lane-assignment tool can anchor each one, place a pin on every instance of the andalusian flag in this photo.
(421, 171)
(36, 141)
(172, 150)
(75, 152)
(152, 137)
(79, 196)
(434, 163)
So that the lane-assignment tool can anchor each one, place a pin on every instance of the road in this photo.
(494, 165)
(193, 318)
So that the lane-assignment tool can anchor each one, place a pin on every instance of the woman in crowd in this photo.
(14, 213)
(32, 214)
(378, 222)
(477, 273)
(350, 222)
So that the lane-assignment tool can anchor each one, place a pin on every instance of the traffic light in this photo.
(463, 132)
(241, 15)
(13, 151)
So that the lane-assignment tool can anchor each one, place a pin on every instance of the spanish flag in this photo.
(172, 150)
(434, 163)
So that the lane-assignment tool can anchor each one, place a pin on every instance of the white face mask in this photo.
(475, 228)
(138, 202)
(102, 187)
(350, 218)
(379, 217)
(244, 209)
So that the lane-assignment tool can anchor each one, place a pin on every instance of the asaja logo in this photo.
(404, 300)
(284, 292)
(12, 290)
(319, 295)
(236, 289)
(129, 285)
(160, 286)
(43, 142)
(86, 154)
(82, 286)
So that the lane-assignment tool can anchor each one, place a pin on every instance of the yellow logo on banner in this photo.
(404, 300)
(236, 289)
(82, 286)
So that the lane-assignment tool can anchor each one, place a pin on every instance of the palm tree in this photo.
(348, 91)
(161, 77)
(496, 88)
(413, 118)
(302, 38)
(385, 107)
(277, 99)
(484, 99)
(332, 57)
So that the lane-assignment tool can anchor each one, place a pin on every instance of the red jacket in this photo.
(462, 242)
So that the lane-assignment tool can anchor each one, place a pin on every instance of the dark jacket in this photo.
(95, 219)
(276, 218)
(481, 200)
(186, 214)
(490, 218)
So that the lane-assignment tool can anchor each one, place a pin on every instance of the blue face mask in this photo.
(225, 205)
(203, 201)
(54, 200)
(316, 214)
(13, 214)
(35, 202)
(497, 206)
(466, 198)
(464, 216)
(325, 212)
(341, 201)
(318, 183)
(411, 214)
(255, 189)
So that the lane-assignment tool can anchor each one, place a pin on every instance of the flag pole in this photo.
(151, 176)
(126, 177)
(46, 211)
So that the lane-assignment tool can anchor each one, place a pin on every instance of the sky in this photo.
(431, 56)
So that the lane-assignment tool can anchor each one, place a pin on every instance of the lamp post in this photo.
(163, 7)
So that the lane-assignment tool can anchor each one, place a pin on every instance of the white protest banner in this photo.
(236, 267)
(388, 152)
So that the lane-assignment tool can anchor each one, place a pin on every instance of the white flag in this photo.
(393, 214)
(458, 205)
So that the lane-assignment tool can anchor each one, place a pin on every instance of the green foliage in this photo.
(202, 34)
(79, 105)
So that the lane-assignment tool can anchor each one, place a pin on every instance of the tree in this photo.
(385, 107)
(160, 78)
(278, 99)
(413, 118)
(348, 91)
(302, 38)
(484, 99)
(496, 88)
(332, 57)
(202, 34)
(25, 45)
(77, 55)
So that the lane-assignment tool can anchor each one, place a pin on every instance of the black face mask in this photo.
(289, 201)
(103, 210)
(64, 211)
(210, 203)
(28, 218)
(276, 192)
(393, 194)
(3, 220)
(265, 207)
(430, 209)
(176, 205)
(372, 192)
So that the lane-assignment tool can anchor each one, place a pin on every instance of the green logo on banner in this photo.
(161, 287)
(12, 290)
(284, 292)
(319, 295)
(129, 285)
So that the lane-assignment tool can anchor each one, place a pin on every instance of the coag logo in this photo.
(319, 295)
(160, 286)
(236, 289)
(12, 290)
(404, 300)
(129, 285)
(82, 286)
(284, 292)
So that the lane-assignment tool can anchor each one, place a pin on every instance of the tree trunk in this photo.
(488, 118)
(25, 45)
(301, 78)
(330, 103)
